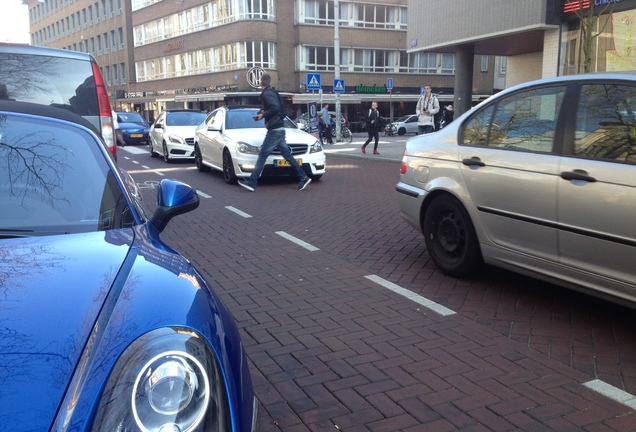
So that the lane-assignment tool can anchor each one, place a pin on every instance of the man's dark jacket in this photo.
(273, 108)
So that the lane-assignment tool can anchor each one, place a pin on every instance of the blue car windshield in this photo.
(130, 117)
(55, 179)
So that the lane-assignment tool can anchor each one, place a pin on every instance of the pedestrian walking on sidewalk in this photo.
(273, 111)
(374, 124)
(327, 134)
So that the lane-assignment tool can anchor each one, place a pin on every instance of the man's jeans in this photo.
(424, 129)
(274, 139)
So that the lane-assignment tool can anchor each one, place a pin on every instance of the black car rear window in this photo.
(55, 81)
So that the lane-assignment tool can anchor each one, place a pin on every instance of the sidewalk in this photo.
(390, 148)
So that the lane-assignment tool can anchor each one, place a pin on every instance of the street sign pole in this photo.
(389, 87)
(336, 48)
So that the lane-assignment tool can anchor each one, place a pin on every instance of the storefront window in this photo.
(613, 46)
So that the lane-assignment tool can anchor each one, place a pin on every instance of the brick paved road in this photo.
(333, 349)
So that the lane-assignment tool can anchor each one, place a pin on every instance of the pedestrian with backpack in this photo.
(273, 111)
(374, 125)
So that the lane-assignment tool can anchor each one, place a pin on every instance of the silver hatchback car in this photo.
(539, 179)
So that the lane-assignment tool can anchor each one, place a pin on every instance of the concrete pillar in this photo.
(464, 59)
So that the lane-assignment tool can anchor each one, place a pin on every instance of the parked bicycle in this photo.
(345, 134)
(390, 129)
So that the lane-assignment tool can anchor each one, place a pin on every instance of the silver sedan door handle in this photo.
(577, 175)
(473, 161)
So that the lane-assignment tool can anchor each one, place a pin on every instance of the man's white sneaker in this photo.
(303, 183)
(246, 185)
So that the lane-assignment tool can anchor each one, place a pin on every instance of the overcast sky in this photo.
(14, 22)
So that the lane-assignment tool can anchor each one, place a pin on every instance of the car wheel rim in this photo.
(228, 169)
(451, 236)
(165, 152)
(197, 157)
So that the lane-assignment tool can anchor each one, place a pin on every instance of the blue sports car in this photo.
(103, 327)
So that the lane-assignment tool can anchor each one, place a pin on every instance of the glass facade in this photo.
(603, 43)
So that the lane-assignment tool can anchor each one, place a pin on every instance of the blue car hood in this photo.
(132, 125)
(52, 290)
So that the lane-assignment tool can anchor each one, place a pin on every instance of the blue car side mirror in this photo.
(173, 198)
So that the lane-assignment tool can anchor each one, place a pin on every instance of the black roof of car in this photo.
(45, 51)
(46, 111)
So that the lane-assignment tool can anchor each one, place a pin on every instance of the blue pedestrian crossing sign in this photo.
(389, 83)
(339, 85)
(313, 81)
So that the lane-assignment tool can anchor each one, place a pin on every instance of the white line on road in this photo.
(134, 150)
(612, 392)
(203, 195)
(297, 241)
(435, 307)
(238, 212)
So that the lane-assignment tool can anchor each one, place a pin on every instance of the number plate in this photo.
(284, 163)
(136, 135)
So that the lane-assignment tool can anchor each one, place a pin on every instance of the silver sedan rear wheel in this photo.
(450, 237)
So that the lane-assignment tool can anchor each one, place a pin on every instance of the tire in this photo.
(401, 131)
(347, 136)
(228, 169)
(450, 237)
(199, 159)
(166, 155)
(152, 151)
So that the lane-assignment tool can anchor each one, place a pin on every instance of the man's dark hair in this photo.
(266, 79)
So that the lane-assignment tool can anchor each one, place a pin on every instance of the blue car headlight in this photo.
(246, 148)
(167, 380)
(315, 147)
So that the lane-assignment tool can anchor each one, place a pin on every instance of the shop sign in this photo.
(130, 95)
(227, 87)
(370, 89)
(198, 90)
(254, 76)
(173, 45)
(575, 5)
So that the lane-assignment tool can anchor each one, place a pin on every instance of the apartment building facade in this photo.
(158, 54)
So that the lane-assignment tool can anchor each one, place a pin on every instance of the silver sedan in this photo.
(539, 179)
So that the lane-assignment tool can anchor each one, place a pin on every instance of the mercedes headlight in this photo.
(246, 148)
(315, 147)
(166, 381)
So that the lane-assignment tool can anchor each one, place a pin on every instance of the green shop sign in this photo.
(370, 89)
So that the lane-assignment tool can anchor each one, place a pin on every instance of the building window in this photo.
(113, 41)
(484, 63)
(120, 31)
(221, 58)
(358, 14)
(122, 73)
(202, 17)
(503, 65)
